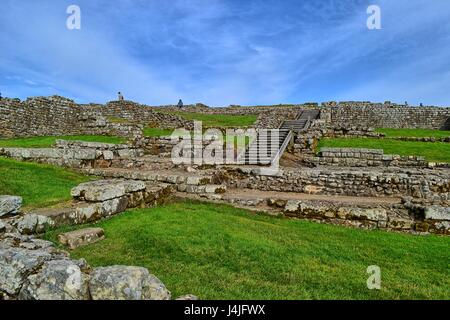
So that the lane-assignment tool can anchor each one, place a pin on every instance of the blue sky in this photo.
(223, 52)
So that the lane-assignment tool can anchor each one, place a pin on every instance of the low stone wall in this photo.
(305, 143)
(424, 139)
(431, 185)
(75, 154)
(158, 145)
(433, 219)
(360, 157)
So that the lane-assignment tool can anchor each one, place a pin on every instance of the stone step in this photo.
(78, 238)
(102, 190)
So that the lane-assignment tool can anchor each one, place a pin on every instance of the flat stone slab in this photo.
(102, 190)
(9, 205)
(78, 238)
(437, 213)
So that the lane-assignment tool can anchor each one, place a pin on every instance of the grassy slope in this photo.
(220, 252)
(39, 185)
(414, 133)
(43, 142)
(432, 151)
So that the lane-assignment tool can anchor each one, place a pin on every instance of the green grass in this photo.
(47, 141)
(117, 120)
(39, 185)
(220, 252)
(414, 133)
(219, 120)
(432, 151)
(157, 132)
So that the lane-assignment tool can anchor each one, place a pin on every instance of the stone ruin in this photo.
(353, 187)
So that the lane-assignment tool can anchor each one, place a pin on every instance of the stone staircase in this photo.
(269, 144)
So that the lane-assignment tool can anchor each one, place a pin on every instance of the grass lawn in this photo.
(40, 185)
(432, 151)
(414, 133)
(220, 120)
(220, 252)
(44, 142)
(157, 132)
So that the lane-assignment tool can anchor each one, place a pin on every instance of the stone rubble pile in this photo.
(33, 269)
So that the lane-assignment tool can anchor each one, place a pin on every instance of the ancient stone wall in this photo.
(360, 157)
(388, 115)
(75, 154)
(132, 112)
(60, 116)
(426, 184)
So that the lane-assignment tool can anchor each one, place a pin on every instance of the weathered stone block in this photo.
(57, 280)
(33, 223)
(15, 266)
(437, 213)
(102, 190)
(77, 238)
(126, 283)
(9, 205)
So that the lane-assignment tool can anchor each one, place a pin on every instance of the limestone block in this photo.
(77, 238)
(9, 205)
(33, 223)
(16, 264)
(102, 190)
(437, 213)
(126, 283)
(57, 280)
(292, 206)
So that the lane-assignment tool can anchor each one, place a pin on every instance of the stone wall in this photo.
(388, 115)
(399, 217)
(360, 157)
(139, 114)
(75, 154)
(425, 184)
(55, 115)
(305, 143)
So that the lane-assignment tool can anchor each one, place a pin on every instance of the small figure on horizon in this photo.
(180, 104)
(0, 96)
(421, 104)
(120, 96)
(406, 103)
